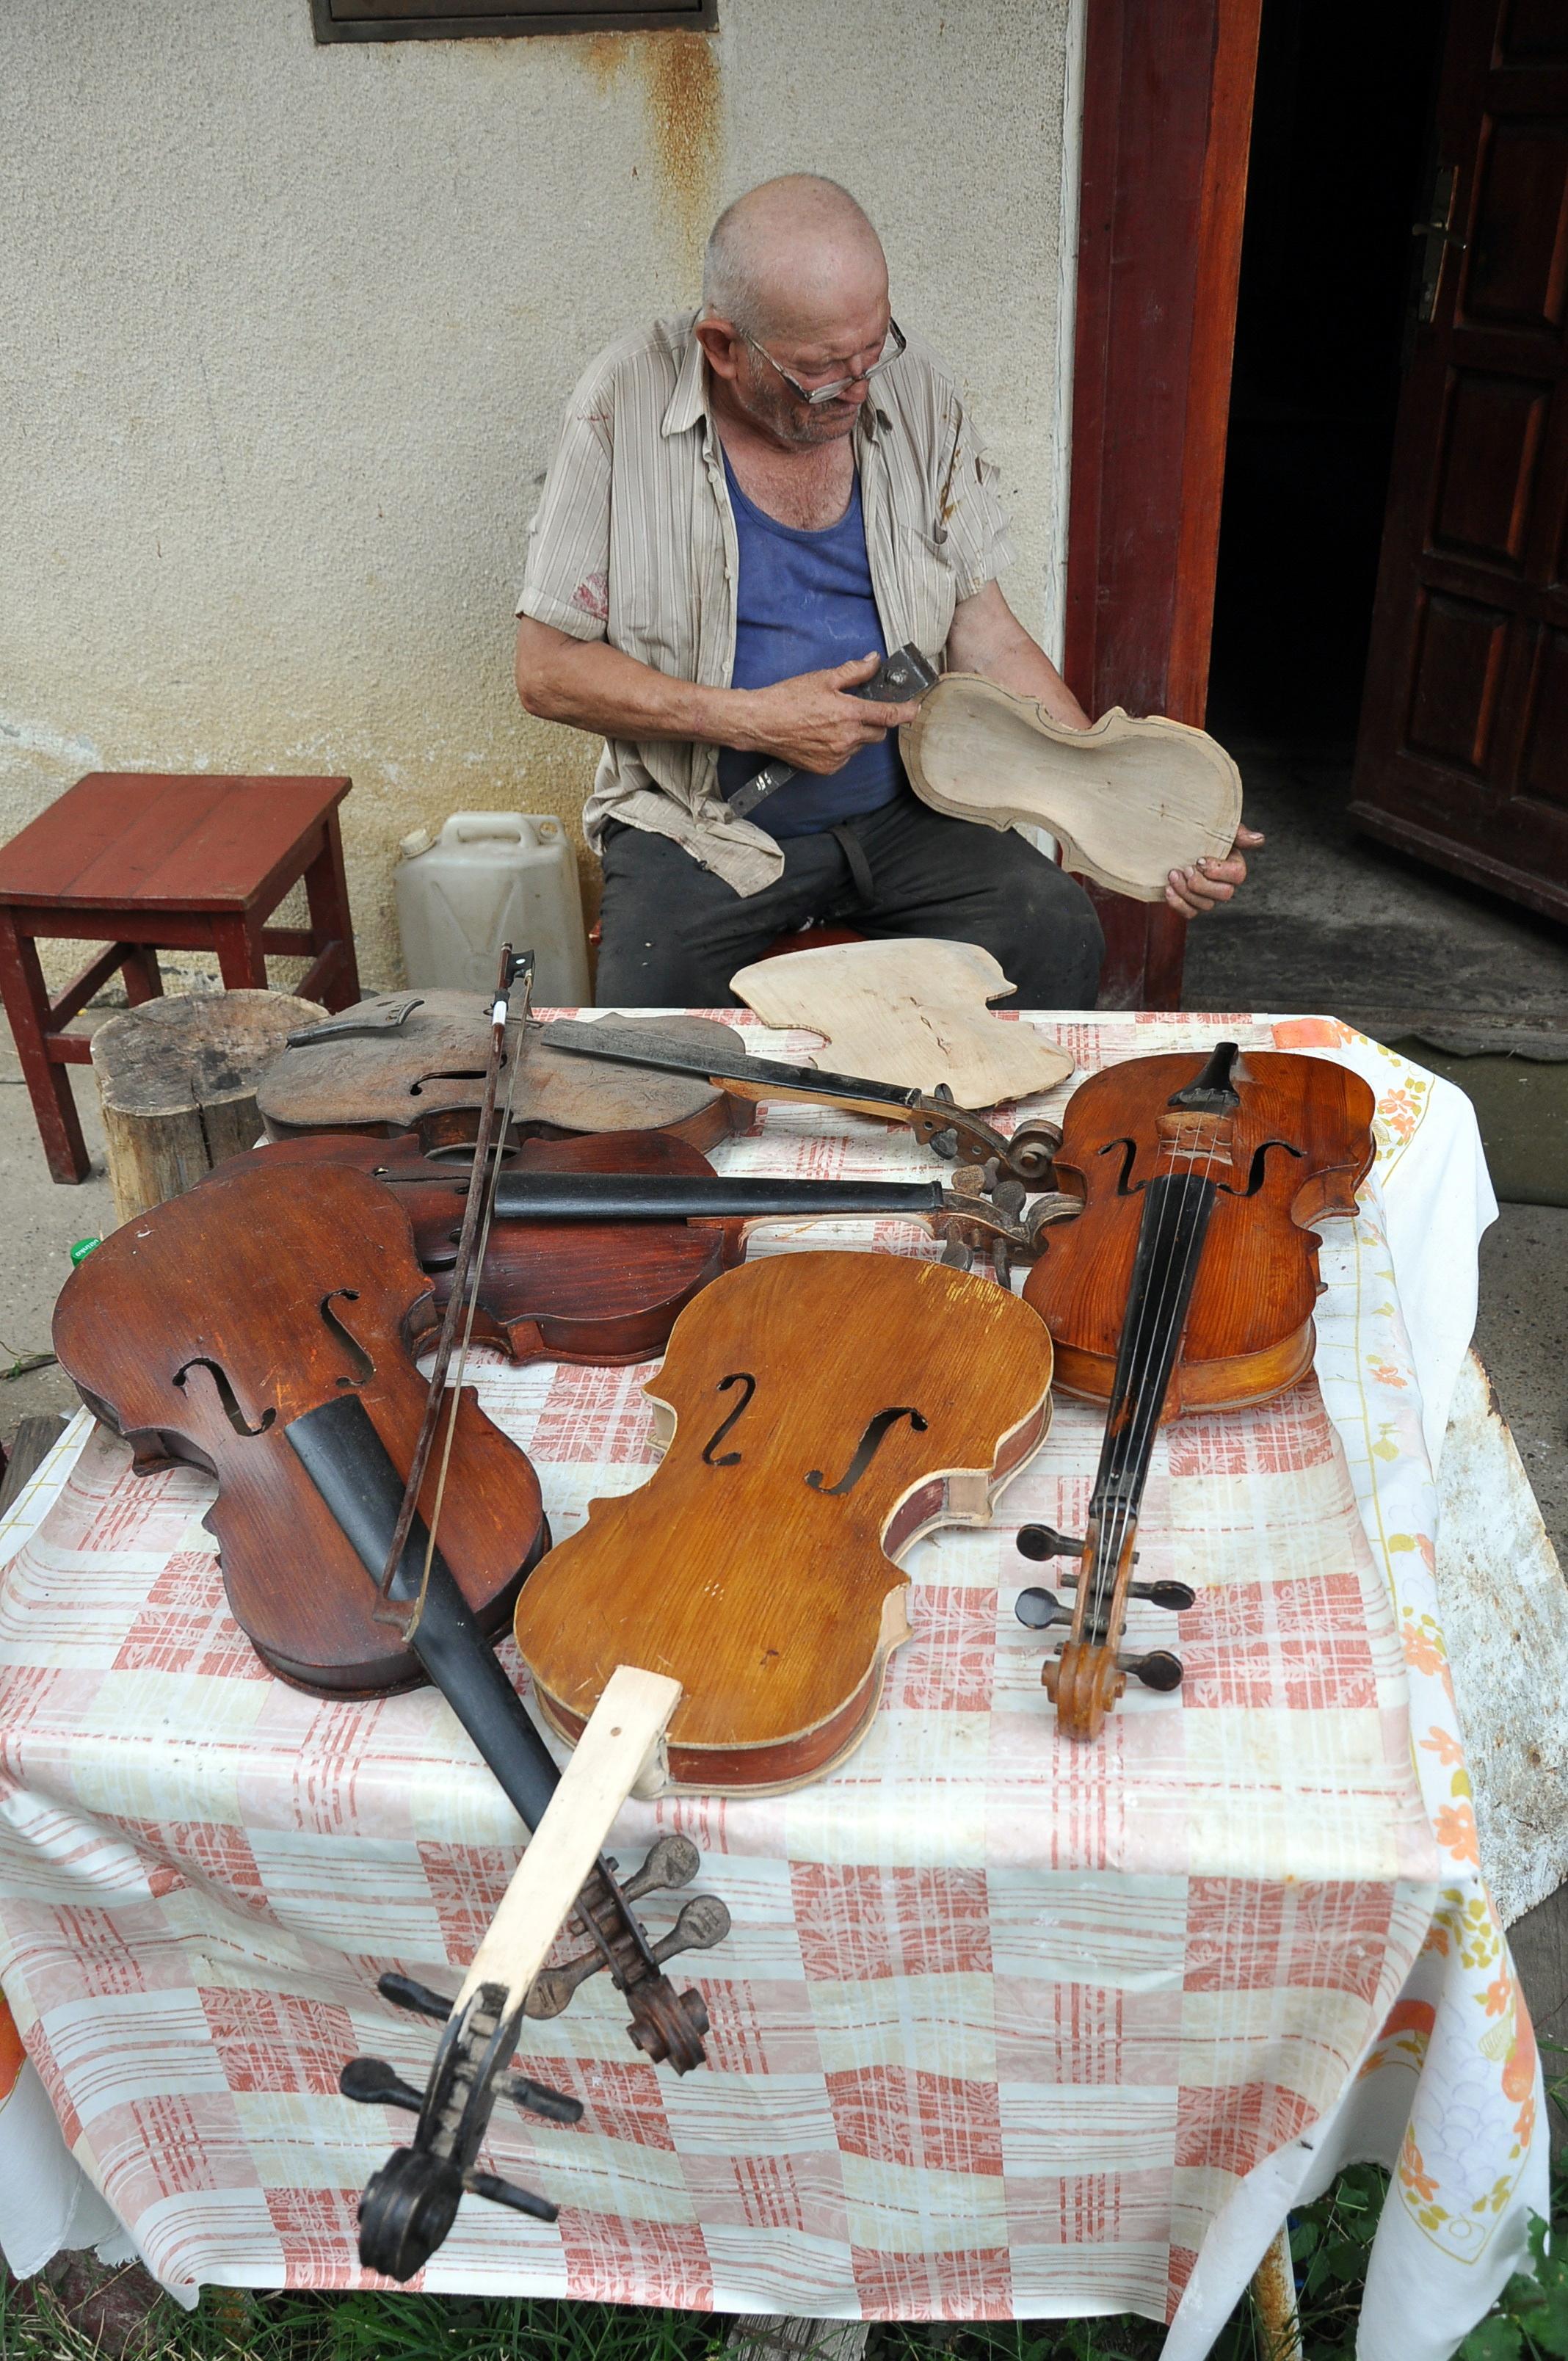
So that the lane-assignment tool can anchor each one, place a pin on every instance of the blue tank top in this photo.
(803, 602)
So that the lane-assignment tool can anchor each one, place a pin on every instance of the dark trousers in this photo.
(673, 933)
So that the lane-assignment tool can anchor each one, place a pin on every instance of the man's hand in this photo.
(1193, 891)
(810, 722)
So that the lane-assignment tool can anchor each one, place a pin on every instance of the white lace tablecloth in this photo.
(1006, 2026)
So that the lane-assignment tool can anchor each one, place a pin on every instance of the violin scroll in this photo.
(411, 2202)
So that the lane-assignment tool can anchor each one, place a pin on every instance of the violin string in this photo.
(1164, 1229)
(1149, 1321)
(1179, 1273)
(1175, 1259)
(1178, 1259)
(471, 1293)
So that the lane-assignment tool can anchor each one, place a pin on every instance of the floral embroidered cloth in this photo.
(1006, 2026)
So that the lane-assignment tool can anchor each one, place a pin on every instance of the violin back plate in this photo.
(216, 1319)
(1301, 1143)
(826, 1408)
(914, 1013)
(432, 1065)
(1127, 801)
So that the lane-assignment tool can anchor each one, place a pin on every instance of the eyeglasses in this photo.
(814, 394)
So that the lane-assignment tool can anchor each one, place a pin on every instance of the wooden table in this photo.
(154, 863)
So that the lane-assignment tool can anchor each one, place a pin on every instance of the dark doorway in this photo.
(1340, 124)
(1341, 156)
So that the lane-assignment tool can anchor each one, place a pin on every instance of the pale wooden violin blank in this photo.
(907, 1011)
(1128, 800)
(826, 1409)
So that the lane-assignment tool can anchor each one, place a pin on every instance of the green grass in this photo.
(1330, 2241)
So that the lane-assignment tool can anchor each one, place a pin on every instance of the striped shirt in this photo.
(634, 542)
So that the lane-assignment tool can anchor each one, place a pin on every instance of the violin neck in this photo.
(345, 1459)
(567, 1196)
(1176, 1206)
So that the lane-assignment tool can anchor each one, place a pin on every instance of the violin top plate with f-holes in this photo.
(823, 1410)
(1127, 801)
(209, 1328)
(414, 1061)
(909, 1011)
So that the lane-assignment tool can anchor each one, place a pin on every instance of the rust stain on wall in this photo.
(683, 94)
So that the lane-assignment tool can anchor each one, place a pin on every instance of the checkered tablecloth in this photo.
(1006, 2026)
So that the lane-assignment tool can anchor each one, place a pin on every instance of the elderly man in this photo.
(747, 511)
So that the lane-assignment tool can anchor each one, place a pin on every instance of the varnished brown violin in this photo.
(1186, 1282)
(826, 1409)
(596, 1244)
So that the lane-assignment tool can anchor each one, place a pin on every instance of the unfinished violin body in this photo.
(598, 1292)
(413, 1062)
(824, 1410)
(233, 1326)
(1186, 1283)
(1128, 800)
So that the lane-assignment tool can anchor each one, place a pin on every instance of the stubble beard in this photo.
(791, 421)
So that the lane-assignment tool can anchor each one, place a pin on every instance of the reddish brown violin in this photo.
(1186, 1283)
(239, 1326)
(597, 1245)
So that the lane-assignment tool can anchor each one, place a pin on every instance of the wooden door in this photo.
(1463, 757)
(1166, 115)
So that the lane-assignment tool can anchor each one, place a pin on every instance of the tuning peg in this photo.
(704, 1922)
(671, 1860)
(404, 1992)
(1040, 1609)
(1176, 1596)
(957, 1256)
(1039, 1541)
(373, 2083)
(1159, 1670)
(540, 2099)
(507, 2192)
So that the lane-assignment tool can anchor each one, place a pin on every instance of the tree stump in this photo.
(177, 1083)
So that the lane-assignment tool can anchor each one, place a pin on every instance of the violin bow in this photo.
(479, 1212)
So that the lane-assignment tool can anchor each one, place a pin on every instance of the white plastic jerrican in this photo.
(488, 879)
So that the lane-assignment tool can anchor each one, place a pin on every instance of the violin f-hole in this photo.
(1258, 1171)
(1125, 1185)
(225, 1394)
(364, 1366)
(729, 1458)
(866, 1451)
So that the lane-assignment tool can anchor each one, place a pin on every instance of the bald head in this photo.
(791, 257)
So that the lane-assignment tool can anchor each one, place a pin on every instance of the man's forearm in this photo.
(591, 686)
(987, 637)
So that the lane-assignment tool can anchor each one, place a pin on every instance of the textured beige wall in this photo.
(285, 333)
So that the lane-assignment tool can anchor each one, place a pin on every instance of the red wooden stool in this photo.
(163, 864)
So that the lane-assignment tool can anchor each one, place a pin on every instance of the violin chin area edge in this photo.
(779, 1765)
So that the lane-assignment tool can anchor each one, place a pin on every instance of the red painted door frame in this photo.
(1166, 118)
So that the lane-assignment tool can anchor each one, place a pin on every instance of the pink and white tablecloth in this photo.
(1006, 2026)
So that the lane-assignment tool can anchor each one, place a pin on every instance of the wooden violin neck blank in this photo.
(624, 1733)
